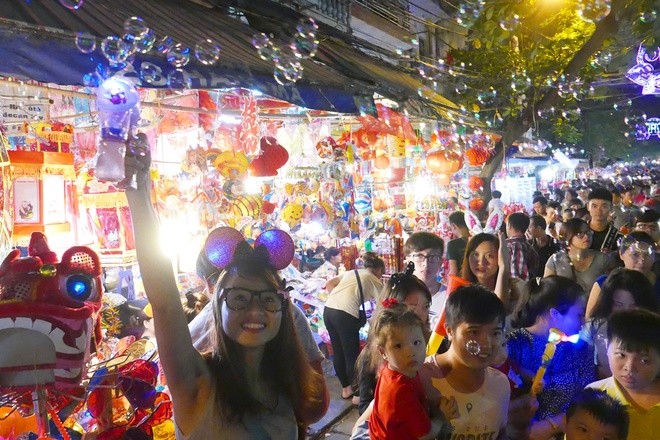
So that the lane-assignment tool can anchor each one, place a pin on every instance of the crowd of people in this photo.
(583, 282)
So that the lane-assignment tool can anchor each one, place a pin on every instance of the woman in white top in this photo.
(341, 316)
(256, 381)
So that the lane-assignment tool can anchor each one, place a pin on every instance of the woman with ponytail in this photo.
(553, 302)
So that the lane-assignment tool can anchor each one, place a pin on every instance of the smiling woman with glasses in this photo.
(578, 262)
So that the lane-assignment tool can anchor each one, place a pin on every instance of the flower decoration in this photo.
(389, 302)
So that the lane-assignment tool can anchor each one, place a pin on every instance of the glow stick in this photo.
(555, 337)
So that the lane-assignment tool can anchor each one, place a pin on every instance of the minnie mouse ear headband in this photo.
(400, 276)
(226, 246)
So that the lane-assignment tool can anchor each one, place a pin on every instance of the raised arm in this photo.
(503, 274)
(184, 368)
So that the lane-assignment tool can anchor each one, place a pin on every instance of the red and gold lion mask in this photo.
(48, 313)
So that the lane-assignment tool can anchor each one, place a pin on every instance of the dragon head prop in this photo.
(48, 313)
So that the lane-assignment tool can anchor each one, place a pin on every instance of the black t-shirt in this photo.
(599, 238)
(456, 250)
(544, 253)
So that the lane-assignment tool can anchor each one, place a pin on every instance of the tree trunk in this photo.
(515, 128)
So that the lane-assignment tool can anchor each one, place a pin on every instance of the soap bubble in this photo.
(290, 67)
(265, 47)
(307, 26)
(91, 79)
(179, 55)
(469, 11)
(473, 347)
(115, 49)
(85, 43)
(280, 79)
(165, 44)
(305, 46)
(594, 10)
(150, 73)
(146, 42)
(179, 79)
(207, 52)
(72, 4)
(135, 27)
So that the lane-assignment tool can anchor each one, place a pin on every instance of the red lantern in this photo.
(382, 162)
(477, 204)
(476, 183)
(444, 162)
(478, 156)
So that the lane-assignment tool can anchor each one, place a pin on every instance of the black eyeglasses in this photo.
(238, 298)
(420, 258)
(583, 234)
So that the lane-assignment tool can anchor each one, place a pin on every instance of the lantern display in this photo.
(44, 193)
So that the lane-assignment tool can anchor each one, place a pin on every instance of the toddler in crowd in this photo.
(633, 353)
(593, 415)
(400, 409)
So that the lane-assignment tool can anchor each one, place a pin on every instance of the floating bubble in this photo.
(307, 26)
(115, 49)
(72, 4)
(150, 73)
(473, 347)
(280, 79)
(91, 79)
(135, 27)
(179, 79)
(510, 23)
(305, 46)
(179, 55)
(469, 11)
(85, 43)
(165, 44)
(594, 10)
(146, 42)
(265, 47)
(207, 52)
(648, 16)
(290, 67)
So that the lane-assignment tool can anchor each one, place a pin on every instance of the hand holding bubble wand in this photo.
(555, 337)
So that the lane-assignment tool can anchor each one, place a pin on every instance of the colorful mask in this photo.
(48, 311)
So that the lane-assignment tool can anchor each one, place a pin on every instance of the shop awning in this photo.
(37, 42)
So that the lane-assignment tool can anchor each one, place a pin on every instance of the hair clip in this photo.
(389, 302)
(400, 276)
(226, 246)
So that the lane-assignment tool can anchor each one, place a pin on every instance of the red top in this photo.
(400, 408)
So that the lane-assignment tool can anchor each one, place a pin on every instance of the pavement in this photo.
(341, 416)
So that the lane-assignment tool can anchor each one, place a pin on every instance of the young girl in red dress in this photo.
(400, 409)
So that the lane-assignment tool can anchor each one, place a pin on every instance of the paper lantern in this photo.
(444, 162)
(476, 183)
(44, 194)
(477, 204)
(478, 156)
(382, 162)
(231, 164)
(112, 227)
(246, 206)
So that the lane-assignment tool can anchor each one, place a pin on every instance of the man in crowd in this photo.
(524, 262)
(625, 216)
(544, 245)
(495, 203)
(606, 236)
(540, 205)
(426, 250)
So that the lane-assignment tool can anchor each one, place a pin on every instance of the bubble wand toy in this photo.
(555, 337)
